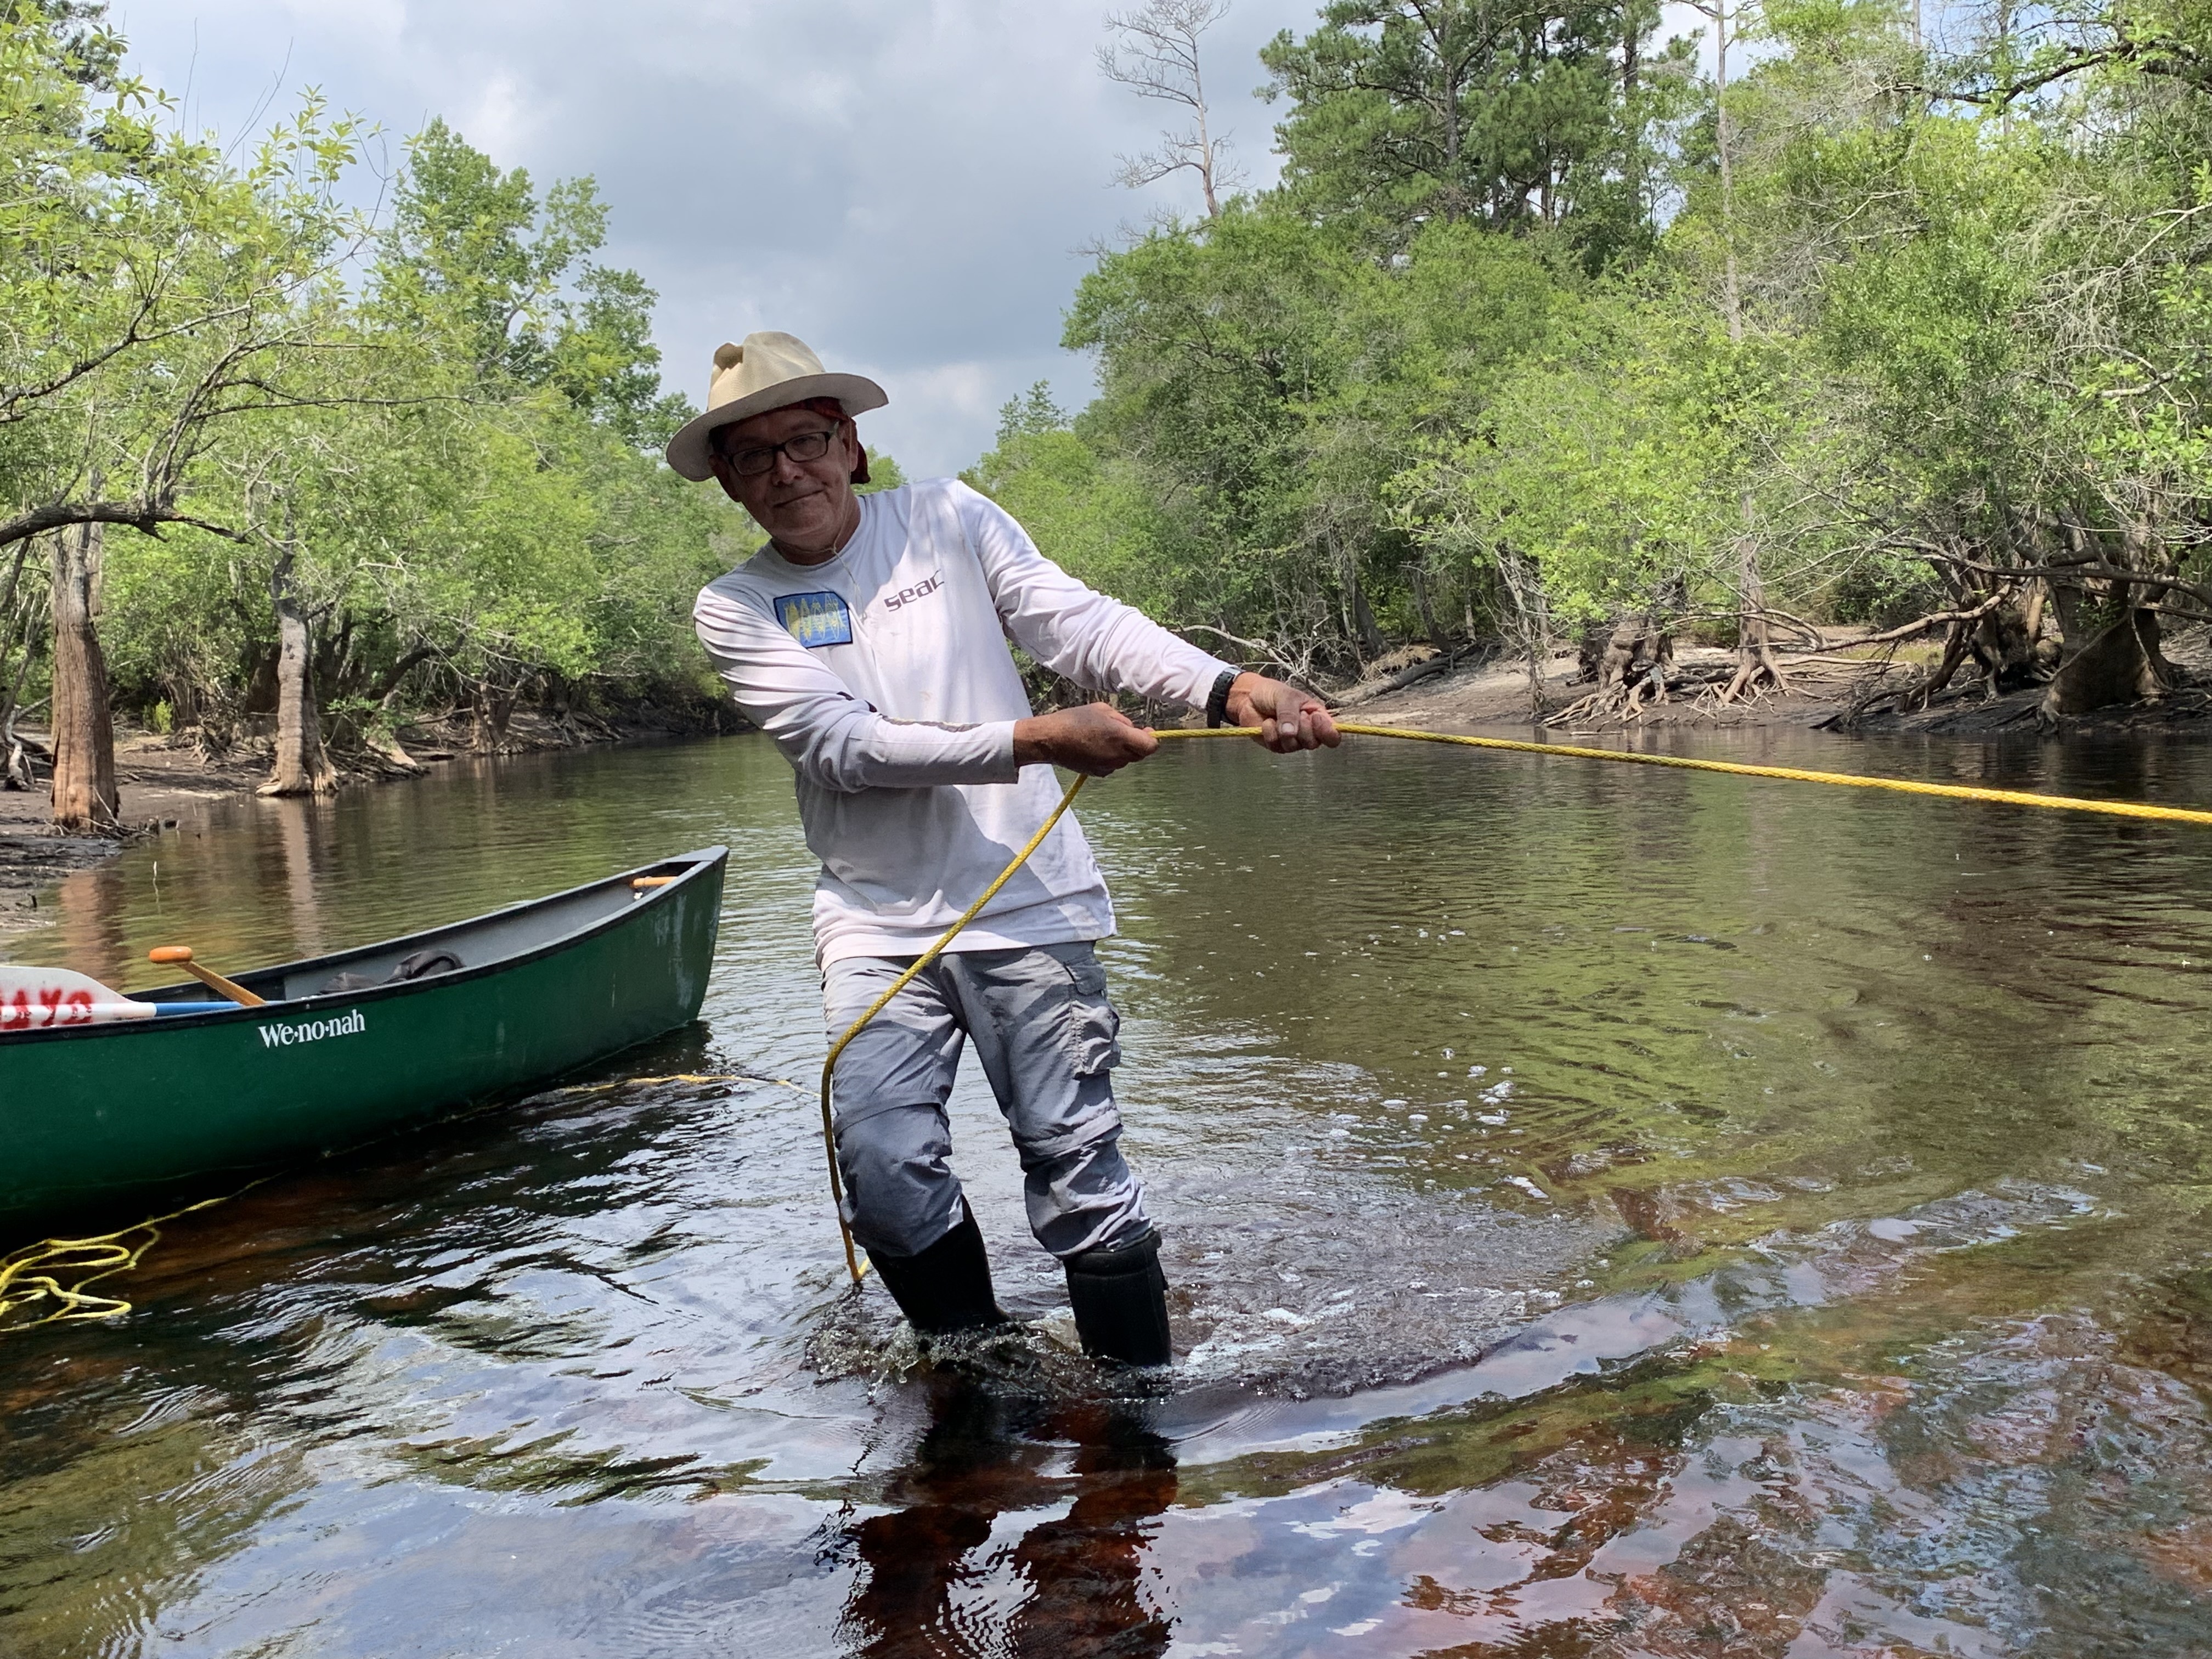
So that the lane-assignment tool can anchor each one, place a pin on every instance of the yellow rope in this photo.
(34, 1273)
(828, 1132)
(37, 1271)
(2116, 809)
(1791, 773)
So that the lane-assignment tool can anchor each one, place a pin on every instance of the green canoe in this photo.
(94, 1118)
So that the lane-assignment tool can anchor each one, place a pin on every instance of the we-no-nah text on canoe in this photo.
(314, 1030)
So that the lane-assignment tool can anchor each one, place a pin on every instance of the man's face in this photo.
(803, 504)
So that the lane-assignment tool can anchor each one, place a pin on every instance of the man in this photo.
(868, 638)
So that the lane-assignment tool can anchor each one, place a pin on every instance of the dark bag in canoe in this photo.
(421, 965)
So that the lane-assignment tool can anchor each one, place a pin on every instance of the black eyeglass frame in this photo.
(735, 462)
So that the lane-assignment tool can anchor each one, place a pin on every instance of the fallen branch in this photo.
(1442, 663)
(1265, 651)
(1765, 613)
(2097, 571)
(1939, 619)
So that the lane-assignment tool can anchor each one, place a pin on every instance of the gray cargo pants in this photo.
(1045, 1034)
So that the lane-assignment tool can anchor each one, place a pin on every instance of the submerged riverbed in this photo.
(1609, 1211)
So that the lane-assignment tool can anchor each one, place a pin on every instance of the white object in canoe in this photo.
(34, 999)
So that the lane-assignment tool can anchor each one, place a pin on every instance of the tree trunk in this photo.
(1421, 603)
(1631, 27)
(84, 793)
(387, 687)
(301, 766)
(1622, 657)
(495, 708)
(2006, 647)
(18, 774)
(1368, 633)
(1732, 301)
(1531, 620)
(8, 607)
(2121, 664)
(12, 669)
(1754, 648)
(1204, 132)
(388, 749)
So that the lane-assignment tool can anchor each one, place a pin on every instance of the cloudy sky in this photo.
(905, 184)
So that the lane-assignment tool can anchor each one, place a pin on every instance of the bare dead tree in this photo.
(1156, 55)
(1728, 30)
(1529, 620)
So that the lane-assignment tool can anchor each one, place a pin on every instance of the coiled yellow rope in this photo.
(62, 1271)
(2118, 809)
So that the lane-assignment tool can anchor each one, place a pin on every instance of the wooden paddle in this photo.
(181, 956)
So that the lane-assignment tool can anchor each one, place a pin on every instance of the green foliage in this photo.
(884, 473)
(1526, 114)
(1631, 461)
(89, 51)
(1262, 380)
(1087, 514)
(1033, 411)
(154, 293)
(1509, 348)
(500, 283)
(437, 434)
(1509, 341)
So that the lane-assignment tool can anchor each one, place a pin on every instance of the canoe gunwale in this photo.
(699, 863)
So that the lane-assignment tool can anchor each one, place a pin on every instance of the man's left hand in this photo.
(1288, 718)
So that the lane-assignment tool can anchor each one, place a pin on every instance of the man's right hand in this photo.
(1096, 740)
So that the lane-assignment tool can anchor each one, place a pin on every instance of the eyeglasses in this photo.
(752, 462)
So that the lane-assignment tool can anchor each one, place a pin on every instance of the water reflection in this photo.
(1608, 1213)
(1080, 1572)
(295, 820)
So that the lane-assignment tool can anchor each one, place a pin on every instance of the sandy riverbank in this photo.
(1495, 693)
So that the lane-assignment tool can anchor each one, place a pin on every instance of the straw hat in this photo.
(769, 371)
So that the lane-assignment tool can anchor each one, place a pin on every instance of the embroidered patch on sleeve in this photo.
(816, 619)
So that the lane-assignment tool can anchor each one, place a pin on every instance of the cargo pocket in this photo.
(1090, 1032)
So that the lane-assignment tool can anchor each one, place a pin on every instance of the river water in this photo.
(1609, 1211)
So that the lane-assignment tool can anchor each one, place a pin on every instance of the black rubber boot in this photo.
(947, 1287)
(1121, 1302)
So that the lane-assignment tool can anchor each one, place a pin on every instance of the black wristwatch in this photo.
(1217, 701)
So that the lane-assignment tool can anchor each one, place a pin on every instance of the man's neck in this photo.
(846, 527)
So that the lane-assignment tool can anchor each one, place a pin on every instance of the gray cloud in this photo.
(904, 184)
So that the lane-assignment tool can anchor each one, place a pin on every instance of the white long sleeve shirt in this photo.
(882, 675)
